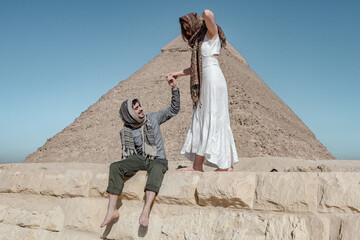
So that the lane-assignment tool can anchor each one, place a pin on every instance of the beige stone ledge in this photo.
(179, 188)
(11, 232)
(32, 211)
(289, 192)
(235, 189)
(54, 179)
(33, 216)
(339, 192)
(350, 228)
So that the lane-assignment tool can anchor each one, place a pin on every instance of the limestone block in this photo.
(216, 224)
(227, 189)
(3, 212)
(63, 235)
(17, 180)
(12, 232)
(350, 228)
(29, 182)
(179, 188)
(238, 234)
(127, 226)
(287, 227)
(134, 187)
(53, 184)
(336, 221)
(339, 192)
(7, 183)
(85, 214)
(98, 185)
(55, 220)
(71, 235)
(24, 218)
(77, 182)
(319, 227)
(185, 224)
(255, 224)
(294, 192)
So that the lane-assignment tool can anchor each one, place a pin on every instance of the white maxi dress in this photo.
(210, 133)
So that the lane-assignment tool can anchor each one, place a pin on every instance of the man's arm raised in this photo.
(174, 108)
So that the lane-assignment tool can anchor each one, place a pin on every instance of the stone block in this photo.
(287, 227)
(12, 232)
(98, 185)
(28, 182)
(7, 183)
(350, 228)
(288, 192)
(179, 188)
(77, 183)
(85, 214)
(53, 184)
(24, 218)
(235, 189)
(55, 220)
(319, 227)
(3, 212)
(339, 192)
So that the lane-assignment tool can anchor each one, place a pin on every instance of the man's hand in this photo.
(175, 75)
(171, 81)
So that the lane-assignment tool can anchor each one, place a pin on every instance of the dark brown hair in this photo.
(135, 101)
(184, 35)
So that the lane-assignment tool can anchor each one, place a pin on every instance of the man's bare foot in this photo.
(110, 215)
(144, 219)
(230, 169)
(190, 168)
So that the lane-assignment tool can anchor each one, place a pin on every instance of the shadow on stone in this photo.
(108, 229)
(142, 231)
(111, 224)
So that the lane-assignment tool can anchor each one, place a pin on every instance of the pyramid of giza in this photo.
(262, 124)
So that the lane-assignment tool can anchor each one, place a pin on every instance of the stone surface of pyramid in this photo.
(262, 124)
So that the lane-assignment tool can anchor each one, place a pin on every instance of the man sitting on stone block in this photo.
(142, 149)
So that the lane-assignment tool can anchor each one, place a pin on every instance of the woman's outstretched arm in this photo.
(210, 23)
(176, 75)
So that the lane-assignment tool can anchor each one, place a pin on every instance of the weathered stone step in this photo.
(284, 192)
(11, 232)
(31, 215)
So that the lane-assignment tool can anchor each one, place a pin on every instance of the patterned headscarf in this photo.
(198, 29)
(131, 120)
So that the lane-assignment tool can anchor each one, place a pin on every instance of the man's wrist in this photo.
(174, 88)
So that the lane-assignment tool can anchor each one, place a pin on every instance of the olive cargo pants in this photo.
(156, 169)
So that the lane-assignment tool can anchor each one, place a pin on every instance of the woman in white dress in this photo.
(209, 140)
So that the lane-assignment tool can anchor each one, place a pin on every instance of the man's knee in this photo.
(114, 166)
(117, 168)
(159, 167)
(155, 177)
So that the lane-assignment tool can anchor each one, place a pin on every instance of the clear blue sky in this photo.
(59, 57)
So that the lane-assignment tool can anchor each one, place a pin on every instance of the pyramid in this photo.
(262, 124)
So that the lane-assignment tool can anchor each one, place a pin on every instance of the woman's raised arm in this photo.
(210, 23)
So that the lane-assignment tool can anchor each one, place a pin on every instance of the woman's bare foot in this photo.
(190, 168)
(110, 215)
(230, 169)
(144, 219)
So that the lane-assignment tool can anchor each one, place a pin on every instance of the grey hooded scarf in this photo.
(131, 120)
